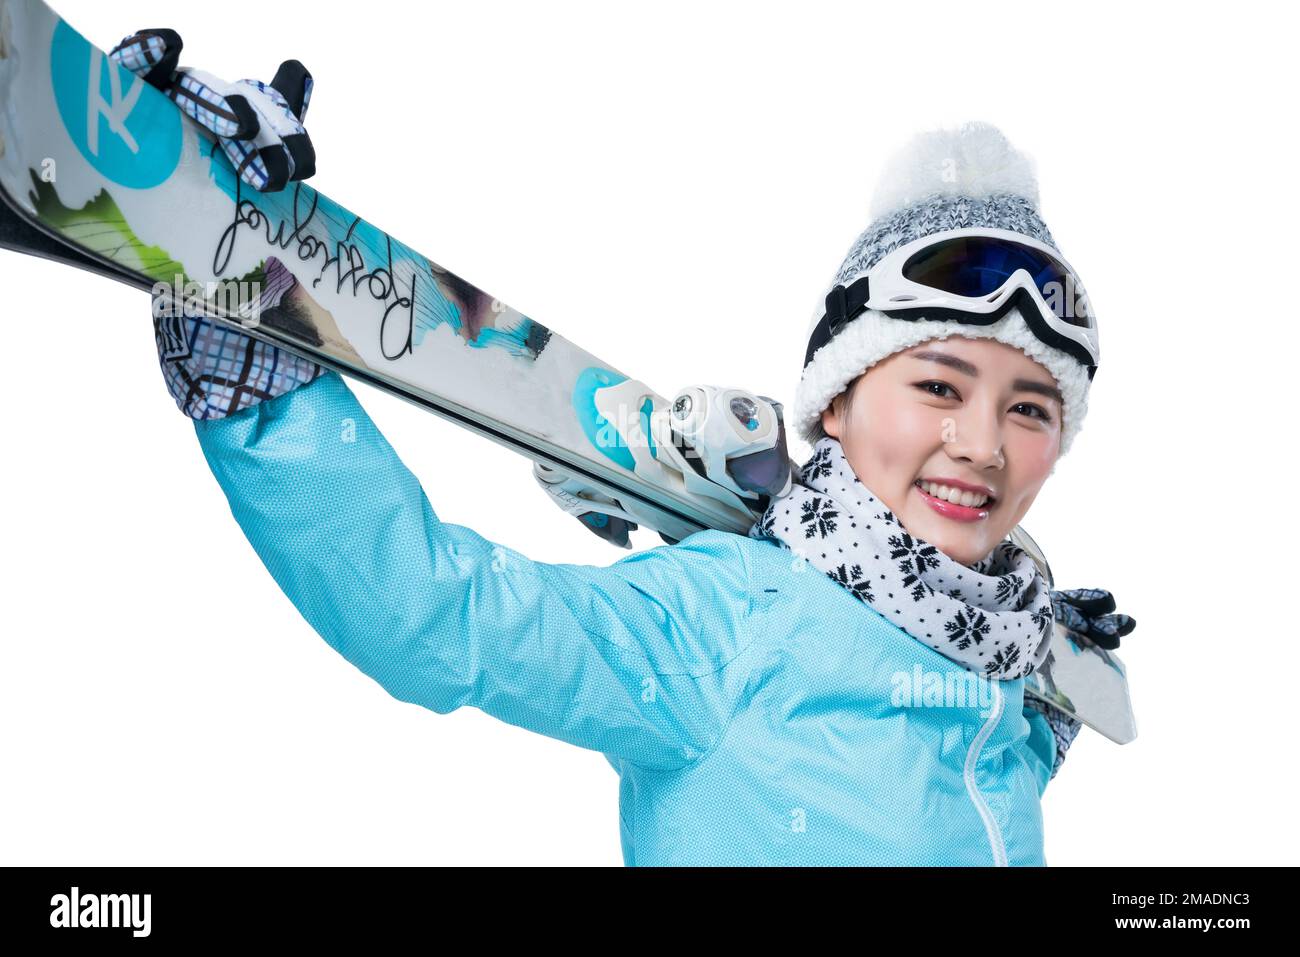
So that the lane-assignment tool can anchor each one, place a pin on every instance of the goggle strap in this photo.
(842, 305)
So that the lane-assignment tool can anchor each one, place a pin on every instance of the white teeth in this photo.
(954, 495)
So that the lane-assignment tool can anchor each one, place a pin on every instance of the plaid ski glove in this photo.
(213, 370)
(1089, 614)
(259, 125)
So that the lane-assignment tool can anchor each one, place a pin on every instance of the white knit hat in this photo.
(942, 180)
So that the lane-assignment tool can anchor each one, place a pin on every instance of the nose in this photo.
(977, 438)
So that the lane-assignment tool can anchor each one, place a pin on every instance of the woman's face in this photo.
(972, 411)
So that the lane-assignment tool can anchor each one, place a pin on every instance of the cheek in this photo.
(910, 430)
(1041, 450)
(1033, 455)
(892, 438)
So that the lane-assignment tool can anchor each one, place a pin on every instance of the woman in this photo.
(757, 712)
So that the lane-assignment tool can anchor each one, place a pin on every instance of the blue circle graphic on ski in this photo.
(105, 128)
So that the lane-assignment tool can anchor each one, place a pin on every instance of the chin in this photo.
(958, 553)
(963, 547)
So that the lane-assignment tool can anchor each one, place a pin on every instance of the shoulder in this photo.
(709, 562)
(775, 582)
(714, 557)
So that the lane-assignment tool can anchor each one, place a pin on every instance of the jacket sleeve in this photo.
(1051, 732)
(634, 660)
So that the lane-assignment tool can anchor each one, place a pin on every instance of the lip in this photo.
(957, 483)
(958, 513)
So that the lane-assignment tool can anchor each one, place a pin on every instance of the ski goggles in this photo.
(972, 276)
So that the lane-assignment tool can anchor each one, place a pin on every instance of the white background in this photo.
(695, 172)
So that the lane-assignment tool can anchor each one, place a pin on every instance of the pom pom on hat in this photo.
(975, 161)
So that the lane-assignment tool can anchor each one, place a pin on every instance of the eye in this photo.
(929, 387)
(1041, 414)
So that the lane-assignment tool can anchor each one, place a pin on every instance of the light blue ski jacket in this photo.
(755, 711)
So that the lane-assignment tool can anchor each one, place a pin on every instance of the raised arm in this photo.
(636, 660)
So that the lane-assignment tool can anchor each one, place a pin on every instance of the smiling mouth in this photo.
(982, 503)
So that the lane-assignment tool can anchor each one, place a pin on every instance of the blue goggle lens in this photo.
(978, 266)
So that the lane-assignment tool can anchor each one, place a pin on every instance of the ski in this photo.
(101, 171)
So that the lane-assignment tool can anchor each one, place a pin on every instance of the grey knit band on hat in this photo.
(943, 180)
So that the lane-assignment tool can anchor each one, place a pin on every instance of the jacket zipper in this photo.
(991, 828)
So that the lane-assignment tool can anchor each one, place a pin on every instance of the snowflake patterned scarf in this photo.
(993, 617)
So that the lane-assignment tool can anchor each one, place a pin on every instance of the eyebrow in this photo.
(961, 365)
